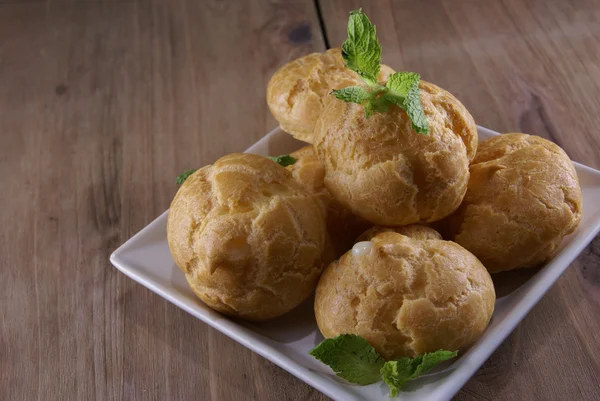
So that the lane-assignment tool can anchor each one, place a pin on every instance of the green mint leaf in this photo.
(354, 94)
(283, 160)
(361, 50)
(397, 373)
(182, 177)
(376, 105)
(370, 99)
(351, 357)
(400, 83)
(403, 90)
(362, 53)
(414, 109)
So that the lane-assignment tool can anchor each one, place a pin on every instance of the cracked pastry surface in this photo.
(523, 197)
(406, 296)
(299, 91)
(383, 171)
(248, 237)
(342, 226)
(415, 231)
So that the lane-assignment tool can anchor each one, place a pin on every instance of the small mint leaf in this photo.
(283, 160)
(182, 177)
(361, 50)
(351, 357)
(397, 373)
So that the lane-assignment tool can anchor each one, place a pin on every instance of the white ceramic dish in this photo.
(286, 341)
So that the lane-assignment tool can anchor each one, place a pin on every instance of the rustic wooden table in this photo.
(102, 104)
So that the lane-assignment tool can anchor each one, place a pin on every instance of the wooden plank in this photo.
(520, 66)
(102, 104)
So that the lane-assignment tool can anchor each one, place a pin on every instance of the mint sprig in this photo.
(403, 91)
(182, 177)
(353, 94)
(397, 373)
(362, 53)
(283, 160)
(352, 358)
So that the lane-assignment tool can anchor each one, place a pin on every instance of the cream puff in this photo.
(248, 237)
(299, 91)
(383, 171)
(342, 226)
(406, 296)
(523, 197)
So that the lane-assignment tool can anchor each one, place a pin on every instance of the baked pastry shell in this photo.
(248, 237)
(406, 296)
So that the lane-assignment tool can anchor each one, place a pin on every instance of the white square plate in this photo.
(287, 340)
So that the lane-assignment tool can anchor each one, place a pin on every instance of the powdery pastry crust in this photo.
(407, 296)
(383, 171)
(523, 197)
(299, 91)
(247, 236)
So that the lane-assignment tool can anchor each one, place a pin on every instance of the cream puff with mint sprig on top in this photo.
(398, 153)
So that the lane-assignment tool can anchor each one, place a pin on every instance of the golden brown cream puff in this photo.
(299, 91)
(406, 296)
(523, 197)
(248, 237)
(383, 171)
(342, 226)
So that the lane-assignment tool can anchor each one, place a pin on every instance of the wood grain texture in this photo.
(518, 66)
(102, 104)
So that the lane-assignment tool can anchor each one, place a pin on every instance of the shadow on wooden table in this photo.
(508, 282)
